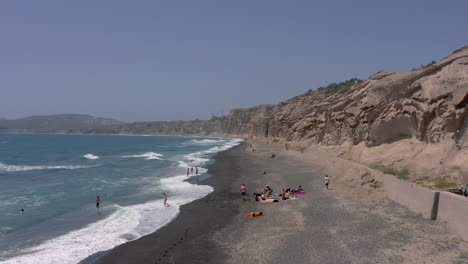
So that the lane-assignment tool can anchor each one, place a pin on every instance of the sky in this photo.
(181, 60)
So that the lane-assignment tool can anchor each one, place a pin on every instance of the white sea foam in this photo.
(5, 229)
(126, 223)
(15, 168)
(206, 141)
(147, 156)
(90, 156)
(200, 159)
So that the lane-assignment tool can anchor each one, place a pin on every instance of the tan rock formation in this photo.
(413, 119)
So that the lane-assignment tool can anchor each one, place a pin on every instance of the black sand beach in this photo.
(188, 238)
(316, 228)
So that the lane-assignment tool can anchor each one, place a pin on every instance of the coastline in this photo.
(319, 227)
(187, 235)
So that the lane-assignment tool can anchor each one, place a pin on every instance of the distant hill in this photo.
(65, 123)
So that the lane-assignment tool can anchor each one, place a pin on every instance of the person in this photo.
(298, 189)
(188, 172)
(262, 173)
(98, 201)
(191, 170)
(326, 180)
(257, 197)
(255, 214)
(21, 211)
(196, 170)
(165, 199)
(243, 190)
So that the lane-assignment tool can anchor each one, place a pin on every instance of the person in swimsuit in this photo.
(254, 214)
(243, 190)
(326, 180)
(21, 212)
(165, 200)
(98, 201)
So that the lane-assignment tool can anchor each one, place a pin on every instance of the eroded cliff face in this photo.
(426, 106)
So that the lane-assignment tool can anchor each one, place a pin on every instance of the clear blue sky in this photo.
(171, 60)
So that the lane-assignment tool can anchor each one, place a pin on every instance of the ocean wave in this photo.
(125, 224)
(206, 141)
(90, 156)
(5, 229)
(201, 158)
(147, 156)
(15, 168)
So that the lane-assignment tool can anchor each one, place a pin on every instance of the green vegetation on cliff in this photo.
(336, 87)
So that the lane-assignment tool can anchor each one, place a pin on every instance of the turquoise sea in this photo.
(56, 178)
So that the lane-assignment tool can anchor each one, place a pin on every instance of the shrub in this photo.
(335, 87)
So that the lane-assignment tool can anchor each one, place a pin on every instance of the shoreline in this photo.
(176, 240)
(320, 227)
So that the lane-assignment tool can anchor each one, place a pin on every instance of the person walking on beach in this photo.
(326, 180)
(196, 170)
(188, 172)
(191, 170)
(98, 202)
(243, 190)
(165, 200)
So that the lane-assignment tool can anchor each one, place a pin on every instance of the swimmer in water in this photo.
(98, 202)
(165, 199)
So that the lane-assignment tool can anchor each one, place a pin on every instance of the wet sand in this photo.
(316, 228)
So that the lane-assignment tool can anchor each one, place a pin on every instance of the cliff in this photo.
(428, 104)
(414, 116)
(64, 123)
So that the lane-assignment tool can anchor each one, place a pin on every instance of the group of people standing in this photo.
(190, 171)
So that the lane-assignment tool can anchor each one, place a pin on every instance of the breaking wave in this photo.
(147, 156)
(15, 168)
(90, 156)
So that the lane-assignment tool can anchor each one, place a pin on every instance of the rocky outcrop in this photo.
(414, 119)
(66, 123)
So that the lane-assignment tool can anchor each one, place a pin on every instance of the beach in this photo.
(319, 227)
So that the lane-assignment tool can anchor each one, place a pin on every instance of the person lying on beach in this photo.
(262, 173)
(273, 155)
(298, 189)
(286, 196)
(254, 214)
(258, 197)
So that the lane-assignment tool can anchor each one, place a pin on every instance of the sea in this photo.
(56, 179)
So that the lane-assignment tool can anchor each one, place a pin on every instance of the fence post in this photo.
(435, 206)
